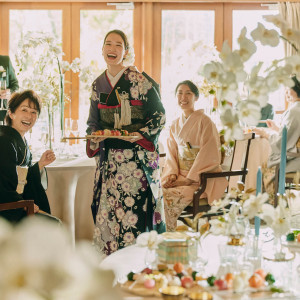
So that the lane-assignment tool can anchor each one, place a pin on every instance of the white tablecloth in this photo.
(70, 192)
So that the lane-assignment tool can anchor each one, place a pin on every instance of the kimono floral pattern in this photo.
(140, 84)
(123, 206)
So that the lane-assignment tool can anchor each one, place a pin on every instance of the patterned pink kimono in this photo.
(193, 148)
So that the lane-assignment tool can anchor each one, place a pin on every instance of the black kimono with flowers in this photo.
(14, 152)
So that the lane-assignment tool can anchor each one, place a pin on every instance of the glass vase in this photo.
(150, 258)
(278, 252)
(197, 255)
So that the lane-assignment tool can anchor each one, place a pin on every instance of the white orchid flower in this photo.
(247, 49)
(75, 65)
(265, 36)
(65, 66)
(226, 50)
(290, 34)
(294, 61)
(2, 69)
(280, 75)
(217, 205)
(277, 20)
(218, 226)
(212, 71)
(254, 205)
(277, 218)
(249, 112)
(149, 239)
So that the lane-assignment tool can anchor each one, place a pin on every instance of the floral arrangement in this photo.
(41, 68)
(37, 262)
(207, 88)
(278, 219)
(229, 74)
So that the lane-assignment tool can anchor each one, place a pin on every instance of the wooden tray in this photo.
(88, 137)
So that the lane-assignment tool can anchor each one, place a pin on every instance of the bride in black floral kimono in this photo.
(127, 192)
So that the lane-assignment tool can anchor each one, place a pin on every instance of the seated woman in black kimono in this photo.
(15, 157)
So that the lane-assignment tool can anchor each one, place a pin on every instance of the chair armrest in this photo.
(293, 154)
(206, 175)
(29, 204)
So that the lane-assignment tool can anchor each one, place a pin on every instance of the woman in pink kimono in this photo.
(193, 148)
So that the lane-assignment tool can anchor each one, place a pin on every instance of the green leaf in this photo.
(211, 280)
(270, 279)
(130, 276)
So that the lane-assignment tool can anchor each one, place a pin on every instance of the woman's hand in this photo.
(47, 158)
(271, 124)
(170, 181)
(184, 182)
(98, 139)
(261, 132)
(36, 208)
(135, 137)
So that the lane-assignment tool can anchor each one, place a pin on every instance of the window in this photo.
(183, 51)
(266, 54)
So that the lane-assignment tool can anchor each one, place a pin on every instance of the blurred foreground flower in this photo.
(149, 239)
(38, 262)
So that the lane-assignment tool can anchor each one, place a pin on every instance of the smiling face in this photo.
(24, 117)
(186, 98)
(291, 95)
(113, 50)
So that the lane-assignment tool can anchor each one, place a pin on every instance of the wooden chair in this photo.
(199, 204)
(28, 204)
(289, 177)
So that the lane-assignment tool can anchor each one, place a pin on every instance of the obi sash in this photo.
(187, 156)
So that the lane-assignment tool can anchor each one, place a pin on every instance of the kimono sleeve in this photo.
(93, 123)
(34, 189)
(171, 164)
(292, 124)
(155, 119)
(8, 172)
(208, 157)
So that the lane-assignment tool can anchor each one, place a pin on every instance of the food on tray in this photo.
(107, 132)
(151, 281)
(162, 277)
(242, 280)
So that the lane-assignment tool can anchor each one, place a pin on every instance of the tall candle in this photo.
(258, 190)
(281, 186)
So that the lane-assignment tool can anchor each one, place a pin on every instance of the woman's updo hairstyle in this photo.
(17, 99)
(191, 85)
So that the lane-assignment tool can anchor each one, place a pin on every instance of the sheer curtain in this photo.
(290, 11)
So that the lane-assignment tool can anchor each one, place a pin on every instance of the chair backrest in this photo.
(28, 204)
(240, 154)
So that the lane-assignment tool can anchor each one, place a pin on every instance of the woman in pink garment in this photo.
(193, 148)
